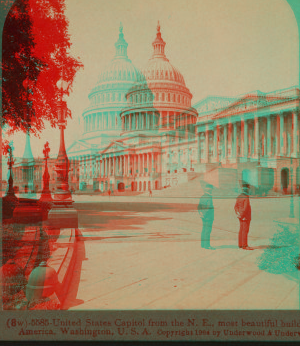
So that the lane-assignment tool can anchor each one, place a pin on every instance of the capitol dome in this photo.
(101, 119)
(159, 99)
(159, 68)
(120, 68)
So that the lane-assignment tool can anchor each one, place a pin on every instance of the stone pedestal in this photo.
(59, 217)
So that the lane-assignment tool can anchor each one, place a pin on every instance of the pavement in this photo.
(141, 252)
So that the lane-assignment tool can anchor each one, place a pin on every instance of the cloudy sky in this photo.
(221, 47)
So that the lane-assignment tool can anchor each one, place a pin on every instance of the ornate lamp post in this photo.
(292, 214)
(62, 215)
(10, 200)
(10, 162)
(46, 194)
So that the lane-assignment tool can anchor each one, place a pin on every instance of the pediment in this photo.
(113, 147)
(78, 146)
(212, 103)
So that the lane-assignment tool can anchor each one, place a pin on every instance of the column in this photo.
(225, 141)
(215, 144)
(109, 166)
(114, 167)
(295, 133)
(217, 133)
(168, 119)
(206, 145)
(199, 147)
(146, 115)
(245, 142)
(280, 134)
(256, 137)
(152, 163)
(128, 165)
(234, 141)
(143, 164)
(230, 138)
(147, 156)
(150, 167)
(269, 136)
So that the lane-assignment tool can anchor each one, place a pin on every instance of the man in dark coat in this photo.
(242, 209)
(206, 212)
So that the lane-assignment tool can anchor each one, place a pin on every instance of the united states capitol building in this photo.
(143, 132)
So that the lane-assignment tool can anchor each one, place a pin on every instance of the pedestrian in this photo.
(242, 209)
(109, 192)
(150, 193)
(206, 212)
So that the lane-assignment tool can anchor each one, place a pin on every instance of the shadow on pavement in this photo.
(123, 216)
(71, 299)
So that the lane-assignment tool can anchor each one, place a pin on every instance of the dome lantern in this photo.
(158, 44)
(121, 45)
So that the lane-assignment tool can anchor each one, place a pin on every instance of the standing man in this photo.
(206, 212)
(242, 209)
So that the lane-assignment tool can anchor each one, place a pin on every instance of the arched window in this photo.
(168, 97)
(162, 96)
(157, 97)
(178, 99)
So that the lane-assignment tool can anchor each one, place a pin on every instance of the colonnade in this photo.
(269, 136)
(101, 121)
(137, 164)
(153, 120)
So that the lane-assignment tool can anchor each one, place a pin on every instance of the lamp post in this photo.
(62, 195)
(292, 214)
(10, 200)
(10, 191)
(46, 194)
(62, 215)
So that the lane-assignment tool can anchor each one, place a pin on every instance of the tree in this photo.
(35, 53)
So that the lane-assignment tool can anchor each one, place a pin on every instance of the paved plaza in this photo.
(138, 252)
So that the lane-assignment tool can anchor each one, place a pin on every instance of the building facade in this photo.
(256, 132)
(142, 133)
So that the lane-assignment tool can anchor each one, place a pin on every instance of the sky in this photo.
(221, 47)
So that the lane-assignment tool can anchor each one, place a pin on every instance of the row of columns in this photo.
(262, 136)
(151, 120)
(131, 164)
(123, 165)
(101, 121)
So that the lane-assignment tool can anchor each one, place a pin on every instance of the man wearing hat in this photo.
(242, 209)
(206, 212)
